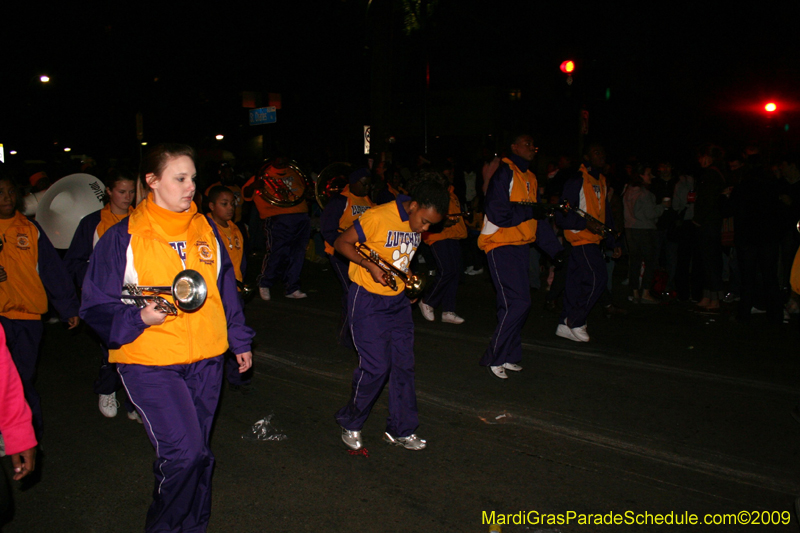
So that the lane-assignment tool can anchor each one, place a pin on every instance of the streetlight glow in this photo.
(44, 79)
(770, 107)
(67, 149)
(219, 137)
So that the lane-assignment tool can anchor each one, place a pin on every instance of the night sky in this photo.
(675, 77)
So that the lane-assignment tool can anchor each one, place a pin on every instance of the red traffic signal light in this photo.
(567, 67)
(770, 107)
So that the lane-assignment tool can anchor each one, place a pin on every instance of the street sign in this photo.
(263, 115)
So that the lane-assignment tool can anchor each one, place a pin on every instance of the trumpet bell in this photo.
(415, 285)
(189, 290)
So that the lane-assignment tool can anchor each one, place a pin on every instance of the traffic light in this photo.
(568, 67)
(770, 107)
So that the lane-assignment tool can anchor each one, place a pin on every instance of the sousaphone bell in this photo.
(331, 181)
(280, 182)
(188, 290)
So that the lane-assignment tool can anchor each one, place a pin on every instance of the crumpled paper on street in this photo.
(264, 430)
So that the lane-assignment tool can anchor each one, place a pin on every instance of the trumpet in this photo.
(605, 231)
(248, 291)
(465, 214)
(545, 210)
(565, 207)
(415, 283)
(188, 289)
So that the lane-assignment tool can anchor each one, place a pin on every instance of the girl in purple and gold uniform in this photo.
(380, 319)
(120, 191)
(171, 366)
(30, 272)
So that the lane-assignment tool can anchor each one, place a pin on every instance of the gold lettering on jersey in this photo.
(396, 238)
(358, 210)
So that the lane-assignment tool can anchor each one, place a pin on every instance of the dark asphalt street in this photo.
(664, 411)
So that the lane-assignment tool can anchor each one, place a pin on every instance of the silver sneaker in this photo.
(412, 442)
(352, 439)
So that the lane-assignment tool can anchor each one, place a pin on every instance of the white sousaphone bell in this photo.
(65, 203)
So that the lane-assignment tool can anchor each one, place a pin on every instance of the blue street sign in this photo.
(262, 115)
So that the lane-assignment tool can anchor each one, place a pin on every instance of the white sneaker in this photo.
(475, 272)
(512, 366)
(108, 404)
(297, 295)
(469, 270)
(427, 311)
(498, 372)
(565, 332)
(580, 333)
(133, 415)
(451, 318)
(264, 292)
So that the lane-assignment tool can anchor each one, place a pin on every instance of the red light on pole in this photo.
(770, 107)
(568, 67)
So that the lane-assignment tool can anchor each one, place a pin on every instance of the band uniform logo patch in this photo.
(204, 251)
(237, 243)
(23, 241)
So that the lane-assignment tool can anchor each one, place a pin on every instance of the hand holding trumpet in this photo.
(153, 316)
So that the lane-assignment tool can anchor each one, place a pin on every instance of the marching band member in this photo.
(446, 252)
(30, 272)
(171, 366)
(587, 275)
(222, 209)
(120, 191)
(287, 230)
(380, 319)
(339, 214)
(508, 230)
